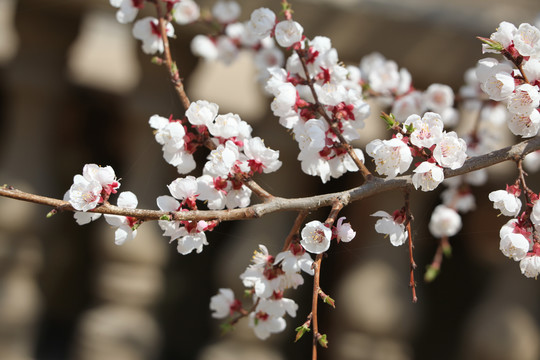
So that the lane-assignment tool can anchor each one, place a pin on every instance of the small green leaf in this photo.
(390, 120)
(492, 44)
(165, 217)
(300, 331)
(51, 213)
(409, 128)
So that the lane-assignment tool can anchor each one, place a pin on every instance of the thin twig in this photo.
(412, 283)
(295, 229)
(337, 205)
(171, 65)
(314, 302)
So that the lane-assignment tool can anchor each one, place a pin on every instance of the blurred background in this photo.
(75, 89)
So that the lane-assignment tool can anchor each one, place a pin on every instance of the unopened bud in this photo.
(322, 340)
(431, 273)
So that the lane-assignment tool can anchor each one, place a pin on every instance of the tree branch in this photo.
(374, 187)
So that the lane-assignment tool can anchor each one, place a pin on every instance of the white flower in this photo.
(214, 192)
(530, 266)
(312, 164)
(407, 105)
(125, 232)
(450, 151)
(508, 204)
(384, 78)
(169, 134)
(293, 262)
(102, 174)
(525, 125)
(288, 32)
(532, 162)
(127, 9)
(186, 12)
(344, 232)
(202, 112)
(227, 49)
(331, 94)
(495, 79)
(193, 241)
(226, 11)
(310, 135)
(525, 99)
(83, 218)
(222, 159)
(527, 40)
(285, 99)
(221, 303)
(262, 22)
(388, 226)
(513, 244)
(261, 158)
(147, 30)
(504, 35)
(277, 307)
(341, 163)
(201, 45)
(428, 130)
(229, 125)
(238, 197)
(438, 97)
(427, 176)
(392, 157)
(184, 188)
(444, 221)
(316, 237)
(254, 277)
(263, 324)
(84, 195)
(535, 213)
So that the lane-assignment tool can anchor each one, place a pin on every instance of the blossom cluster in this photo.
(236, 156)
(267, 278)
(422, 137)
(390, 85)
(518, 237)
(147, 29)
(93, 188)
(515, 80)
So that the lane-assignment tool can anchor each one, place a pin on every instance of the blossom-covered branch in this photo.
(277, 204)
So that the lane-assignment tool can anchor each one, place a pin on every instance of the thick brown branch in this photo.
(377, 186)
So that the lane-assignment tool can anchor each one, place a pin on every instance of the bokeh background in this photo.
(75, 89)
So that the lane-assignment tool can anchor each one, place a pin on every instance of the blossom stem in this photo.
(171, 65)
(435, 266)
(295, 229)
(412, 283)
(314, 302)
(366, 174)
(337, 205)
